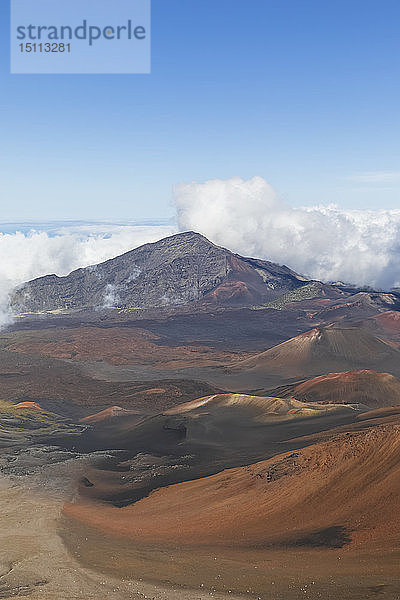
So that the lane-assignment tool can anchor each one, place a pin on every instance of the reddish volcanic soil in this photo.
(30, 405)
(389, 324)
(323, 519)
(316, 352)
(117, 345)
(364, 387)
(107, 413)
(230, 292)
(390, 320)
(29, 377)
(200, 438)
(380, 413)
(340, 493)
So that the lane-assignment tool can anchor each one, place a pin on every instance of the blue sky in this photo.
(303, 93)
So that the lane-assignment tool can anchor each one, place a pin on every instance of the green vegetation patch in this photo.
(306, 292)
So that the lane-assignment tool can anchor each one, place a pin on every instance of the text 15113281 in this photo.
(45, 47)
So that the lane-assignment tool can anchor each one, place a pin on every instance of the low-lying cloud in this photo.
(248, 217)
(321, 242)
(60, 250)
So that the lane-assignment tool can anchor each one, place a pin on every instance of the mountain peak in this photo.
(178, 270)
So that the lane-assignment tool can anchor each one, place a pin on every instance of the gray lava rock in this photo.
(177, 270)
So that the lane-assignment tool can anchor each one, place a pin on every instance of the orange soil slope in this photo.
(389, 321)
(258, 408)
(107, 413)
(117, 345)
(365, 387)
(385, 324)
(343, 492)
(30, 405)
(201, 438)
(323, 350)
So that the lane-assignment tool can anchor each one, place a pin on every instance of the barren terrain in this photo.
(242, 444)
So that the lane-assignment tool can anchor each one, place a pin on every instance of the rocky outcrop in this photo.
(181, 269)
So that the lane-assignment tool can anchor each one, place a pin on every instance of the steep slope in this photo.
(353, 307)
(319, 351)
(342, 492)
(320, 520)
(225, 422)
(375, 390)
(175, 271)
(199, 438)
(389, 321)
(385, 324)
(111, 412)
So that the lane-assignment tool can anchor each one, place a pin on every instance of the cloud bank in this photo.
(248, 217)
(25, 256)
(321, 242)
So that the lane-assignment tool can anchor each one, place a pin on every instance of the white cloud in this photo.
(111, 297)
(25, 256)
(322, 242)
